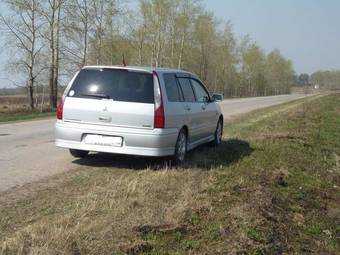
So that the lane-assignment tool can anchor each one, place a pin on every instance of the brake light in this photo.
(60, 110)
(159, 121)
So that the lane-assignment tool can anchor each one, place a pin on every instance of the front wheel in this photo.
(180, 148)
(218, 133)
(79, 153)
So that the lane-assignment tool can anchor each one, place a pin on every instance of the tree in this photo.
(253, 62)
(23, 25)
(102, 33)
(111, 23)
(326, 79)
(77, 31)
(51, 11)
(183, 15)
(159, 19)
(226, 60)
(204, 36)
(279, 74)
(304, 79)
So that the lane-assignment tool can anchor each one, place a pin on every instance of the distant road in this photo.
(234, 107)
(28, 153)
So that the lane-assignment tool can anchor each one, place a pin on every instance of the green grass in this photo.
(273, 187)
(14, 117)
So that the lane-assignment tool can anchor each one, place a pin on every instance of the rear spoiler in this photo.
(185, 75)
(125, 68)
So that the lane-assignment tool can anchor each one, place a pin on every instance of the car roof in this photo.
(140, 68)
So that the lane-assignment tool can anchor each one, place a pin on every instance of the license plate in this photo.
(103, 140)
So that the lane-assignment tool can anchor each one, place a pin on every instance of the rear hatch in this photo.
(114, 97)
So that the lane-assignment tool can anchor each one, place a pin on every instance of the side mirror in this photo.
(206, 99)
(217, 97)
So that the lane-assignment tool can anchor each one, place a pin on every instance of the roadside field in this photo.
(21, 99)
(16, 108)
(272, 187)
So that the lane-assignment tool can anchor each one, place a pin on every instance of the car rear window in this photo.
(119, 85)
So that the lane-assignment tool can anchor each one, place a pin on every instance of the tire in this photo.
(218, 133)
(79, 153)
(181, 148)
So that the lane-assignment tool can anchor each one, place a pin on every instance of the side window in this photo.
(188, 93)
(200, 92)
(171, 88)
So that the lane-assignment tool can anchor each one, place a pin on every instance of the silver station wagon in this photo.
(137, 111)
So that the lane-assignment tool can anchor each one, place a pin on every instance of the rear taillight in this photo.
(60, 110)
(159, 108)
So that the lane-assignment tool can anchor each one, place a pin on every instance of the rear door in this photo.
(174, 110)
(115, 97)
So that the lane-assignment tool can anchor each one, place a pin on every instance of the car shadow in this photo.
(107, 160)
(229, 152)
(204, 157)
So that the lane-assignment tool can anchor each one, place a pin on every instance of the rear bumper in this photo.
(141, 142)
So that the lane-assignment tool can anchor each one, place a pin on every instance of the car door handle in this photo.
(203, 106)
(105, 119)
(187, 107)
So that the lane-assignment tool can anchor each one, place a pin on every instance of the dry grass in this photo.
(101, 219)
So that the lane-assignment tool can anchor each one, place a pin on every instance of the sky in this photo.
(305, 31)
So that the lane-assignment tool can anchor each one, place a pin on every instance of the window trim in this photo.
(179, 90)
(179, 84)
(181, 94)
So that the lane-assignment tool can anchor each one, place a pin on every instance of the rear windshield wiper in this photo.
(97, 96)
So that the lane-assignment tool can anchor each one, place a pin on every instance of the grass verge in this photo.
(14, 117)
(273, 187)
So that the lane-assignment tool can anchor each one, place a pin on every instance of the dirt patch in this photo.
(136, 248)
(165, 228)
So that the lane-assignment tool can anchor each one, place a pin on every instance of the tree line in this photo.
(52, 39)
(323, 79)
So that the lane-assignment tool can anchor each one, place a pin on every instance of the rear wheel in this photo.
(218, 133)
(79, 153)
(180, 148)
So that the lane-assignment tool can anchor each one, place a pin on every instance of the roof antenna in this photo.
(124, 62)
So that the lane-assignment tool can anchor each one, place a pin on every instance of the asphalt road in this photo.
(28, 153)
